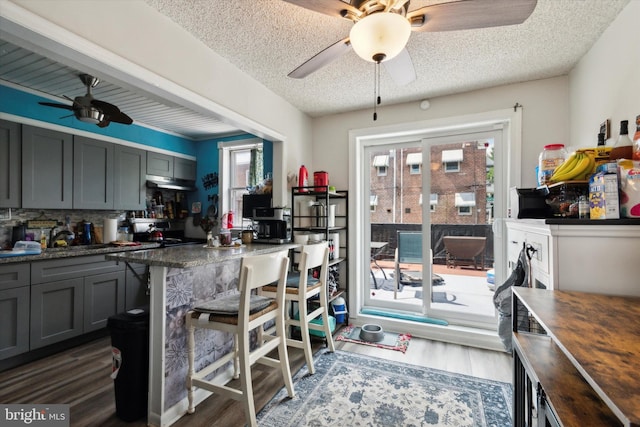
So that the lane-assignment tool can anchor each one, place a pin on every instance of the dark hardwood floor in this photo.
(80, 377)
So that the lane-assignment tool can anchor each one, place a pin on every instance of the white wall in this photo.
(545, 119)
(606, 82)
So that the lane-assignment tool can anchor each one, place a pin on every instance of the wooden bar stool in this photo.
(301, 287)
(239, 314)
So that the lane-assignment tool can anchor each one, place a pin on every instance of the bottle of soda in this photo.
(636, 140)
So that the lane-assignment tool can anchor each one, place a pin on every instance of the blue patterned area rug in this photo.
(349, 389)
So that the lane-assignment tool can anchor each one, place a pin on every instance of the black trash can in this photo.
(130, 355)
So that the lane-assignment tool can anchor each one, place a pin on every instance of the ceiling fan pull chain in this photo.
(375, 91)
(376, 86)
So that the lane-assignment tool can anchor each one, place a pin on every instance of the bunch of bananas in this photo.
(579, 166)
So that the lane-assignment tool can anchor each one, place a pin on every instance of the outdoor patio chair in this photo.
(409, 251)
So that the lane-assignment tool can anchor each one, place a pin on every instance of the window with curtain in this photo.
(243, 169)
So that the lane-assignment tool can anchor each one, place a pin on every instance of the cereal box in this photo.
(629, 172)
(604, 202)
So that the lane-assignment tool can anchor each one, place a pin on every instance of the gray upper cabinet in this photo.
(159, 164)
(92, 173)
(170, 167)
(184, 168)
(47, 169)
(129, 190)
(10, 167)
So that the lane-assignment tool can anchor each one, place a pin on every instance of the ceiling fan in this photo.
(90, 110)
(382, 28)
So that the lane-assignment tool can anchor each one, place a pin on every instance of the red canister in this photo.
(321, 180)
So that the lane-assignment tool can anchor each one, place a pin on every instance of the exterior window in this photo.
(465, 202)
(464, 210)
(381, 163)
(242, 165)
(373, 202)
(414, 161)
(452, 167)
(452, 159)
(239, 161)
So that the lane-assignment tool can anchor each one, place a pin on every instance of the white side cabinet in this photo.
(587, 256)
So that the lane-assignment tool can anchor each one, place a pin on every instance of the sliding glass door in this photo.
(429, 226)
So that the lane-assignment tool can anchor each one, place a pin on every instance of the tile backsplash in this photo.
(96, 217)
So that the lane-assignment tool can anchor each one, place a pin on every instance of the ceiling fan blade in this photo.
(401, 68)
(470, 14)
(321, 59)
(112, 112)
(120, 118)
(105, 107)
(53, 104)
(328, 7)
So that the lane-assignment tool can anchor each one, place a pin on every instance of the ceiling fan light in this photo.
(89, 115)
(380, 33)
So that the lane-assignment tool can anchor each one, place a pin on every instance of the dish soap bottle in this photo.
(43, 240)
(623, 148)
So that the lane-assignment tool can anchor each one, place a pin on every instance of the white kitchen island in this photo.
(182, 277)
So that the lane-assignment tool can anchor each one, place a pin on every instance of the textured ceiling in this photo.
(269, 38)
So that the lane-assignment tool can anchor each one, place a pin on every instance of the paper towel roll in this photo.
(110, 230)
(332, 215)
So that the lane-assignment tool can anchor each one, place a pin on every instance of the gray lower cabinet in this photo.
(73, 296)
(129, 178)
(136, 286)
(56, 311)
(47, 169)
(10, 164)
(104, 296)
(92, 173)
(14, 309)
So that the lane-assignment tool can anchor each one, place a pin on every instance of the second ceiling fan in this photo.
(90, 110)
(382, 28)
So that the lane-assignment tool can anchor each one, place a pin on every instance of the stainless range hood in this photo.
(170, 183)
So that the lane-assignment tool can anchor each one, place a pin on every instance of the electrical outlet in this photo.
(5, 214)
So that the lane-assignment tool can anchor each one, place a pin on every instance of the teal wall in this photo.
(208, 160)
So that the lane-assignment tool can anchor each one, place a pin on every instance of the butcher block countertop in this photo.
(592, 348)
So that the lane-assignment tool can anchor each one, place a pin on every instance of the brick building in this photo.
(458, 185)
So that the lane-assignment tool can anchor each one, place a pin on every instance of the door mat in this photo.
(391, 340)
